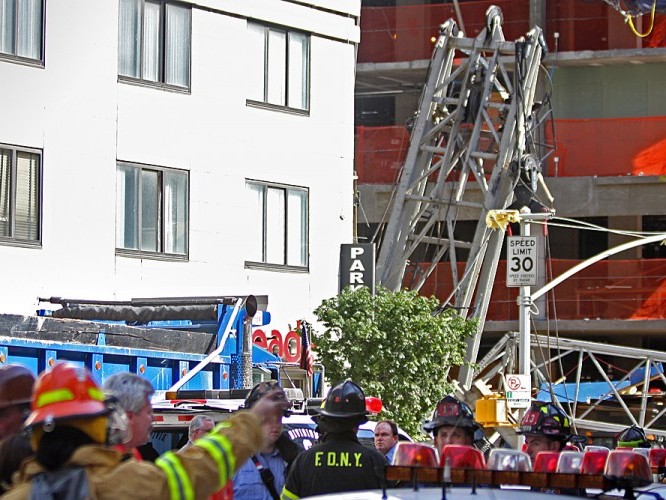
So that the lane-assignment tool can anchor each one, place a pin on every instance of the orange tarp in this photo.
(407, 32)
(610, 147)
(380, 153)
(599, 147)
(611, 289)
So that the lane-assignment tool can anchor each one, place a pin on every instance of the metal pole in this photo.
(246, 356)
(525, 299)
(459, 17)
(524, 307)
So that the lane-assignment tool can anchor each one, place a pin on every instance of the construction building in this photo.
(607, 87)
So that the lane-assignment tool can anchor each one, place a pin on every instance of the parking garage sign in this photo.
(521, 261)
(357, 266)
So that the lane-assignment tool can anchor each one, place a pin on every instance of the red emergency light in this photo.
(628, 465)
(657, 457)
(594, 462)
(460, 456)
(373, 405)
(546, 461)
(597, 448)
(415, 455)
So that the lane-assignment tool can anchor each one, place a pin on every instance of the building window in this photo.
(20, 195)
(155, 41)
(21, 28)
(279, 228)
(280, 67)
(152, 208)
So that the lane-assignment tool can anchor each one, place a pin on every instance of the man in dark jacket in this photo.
(339, 462)
(16, 383)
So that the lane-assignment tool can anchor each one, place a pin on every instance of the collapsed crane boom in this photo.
(475, 126)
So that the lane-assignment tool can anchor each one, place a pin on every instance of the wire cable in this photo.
(630, 22)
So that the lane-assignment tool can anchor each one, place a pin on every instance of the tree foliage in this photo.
(393, 346)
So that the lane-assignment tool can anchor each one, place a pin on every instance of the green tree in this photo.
(393, 346)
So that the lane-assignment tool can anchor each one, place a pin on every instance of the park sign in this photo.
(521, 261)
(357, 266)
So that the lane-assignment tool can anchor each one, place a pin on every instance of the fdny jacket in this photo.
(338, 463)
(194, 474)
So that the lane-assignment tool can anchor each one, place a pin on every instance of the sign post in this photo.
(521, 271)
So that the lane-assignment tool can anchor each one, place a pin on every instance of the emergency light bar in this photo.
(622, 470)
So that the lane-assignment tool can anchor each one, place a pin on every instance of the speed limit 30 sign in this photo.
(521, 261)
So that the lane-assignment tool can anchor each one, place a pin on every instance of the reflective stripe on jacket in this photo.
(193, 474)
(339, 463)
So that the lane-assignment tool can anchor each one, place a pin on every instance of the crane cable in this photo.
(630, 21)
(628, 18)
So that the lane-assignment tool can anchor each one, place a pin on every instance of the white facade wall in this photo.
(84, 121)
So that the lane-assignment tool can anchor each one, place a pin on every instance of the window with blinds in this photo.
(152, 205)
(154, 44)
(22, 28)
(20, 195)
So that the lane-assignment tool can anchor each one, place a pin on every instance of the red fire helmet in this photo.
(67, 391)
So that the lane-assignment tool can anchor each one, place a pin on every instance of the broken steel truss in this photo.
(638, 397)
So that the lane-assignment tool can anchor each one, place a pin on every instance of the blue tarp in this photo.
(638, 375)
(587, 392)
(636, 7)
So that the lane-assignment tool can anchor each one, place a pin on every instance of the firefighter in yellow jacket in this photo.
(72, 422)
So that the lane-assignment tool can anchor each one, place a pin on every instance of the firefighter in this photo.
(633, 437)
(545, 427)
(338, 462)
(452, 423)
(71, 422)
(16, 383)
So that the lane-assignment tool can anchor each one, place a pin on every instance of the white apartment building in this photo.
(154, 148)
